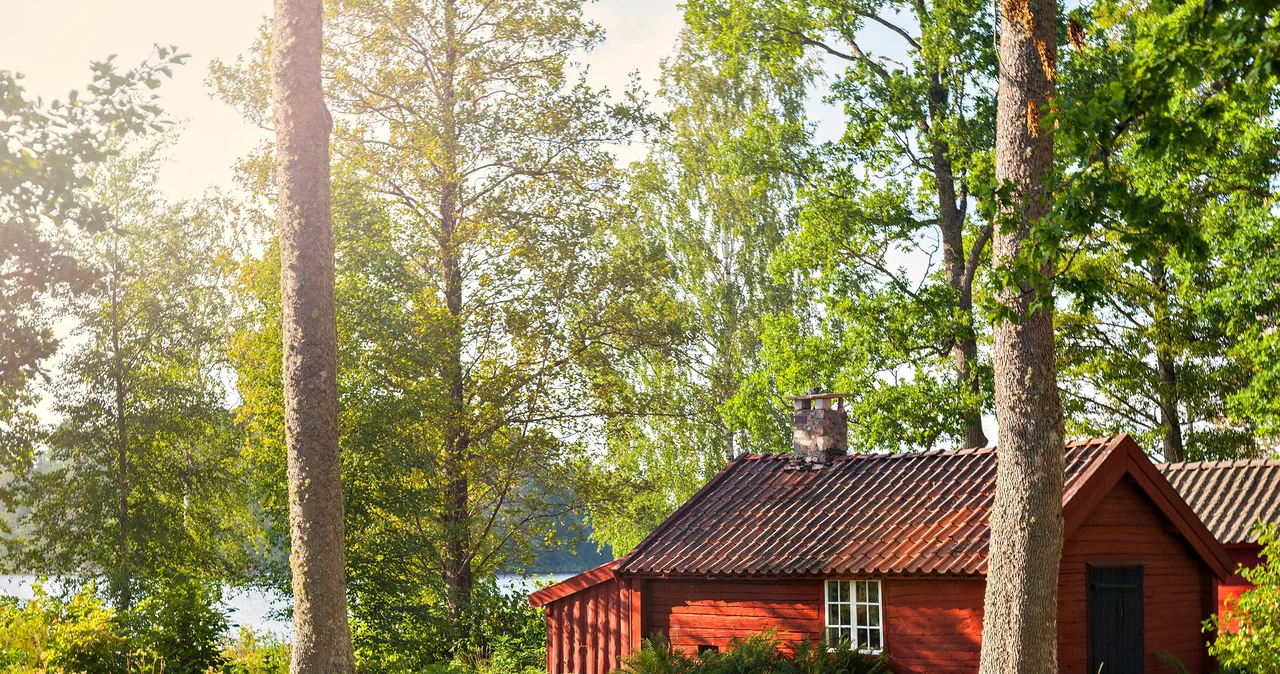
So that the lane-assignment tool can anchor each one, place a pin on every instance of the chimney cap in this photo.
(804, 402)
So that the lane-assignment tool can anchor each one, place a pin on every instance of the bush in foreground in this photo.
(1249, 629)
(757, 654)
(177, 629)
(251, 652)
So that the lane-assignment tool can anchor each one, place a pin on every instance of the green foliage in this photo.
(1248, 630)
(709, 207)
(179, 622)
(757, 654)
(44, 151)
(877, 206)
(499, 633)
(481, 308)
(250, 652)
(138, 479)
(47, 634)
(177, 629)
(1155, 340)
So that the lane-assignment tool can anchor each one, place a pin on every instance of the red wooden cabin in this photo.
(1230, 497)
(889, 552)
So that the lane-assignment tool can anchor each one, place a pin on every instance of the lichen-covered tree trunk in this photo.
(1019, 632)
(321, 637)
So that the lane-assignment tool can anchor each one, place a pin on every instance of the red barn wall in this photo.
(589, 630)
(1249, 555)
(934, 625)
(931, 626)
(1178, 589)
(713, 612)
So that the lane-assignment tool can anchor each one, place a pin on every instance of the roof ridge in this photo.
(965, 451)
(1211, 465)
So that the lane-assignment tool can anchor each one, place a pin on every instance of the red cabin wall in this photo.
(931, 626)
(1249, 555)
(589, 631)
(934, 626)
(1178, 589)
(714, 612)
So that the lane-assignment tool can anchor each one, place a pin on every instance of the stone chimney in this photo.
(821, 428)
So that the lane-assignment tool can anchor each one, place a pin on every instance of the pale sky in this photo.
(52, 43)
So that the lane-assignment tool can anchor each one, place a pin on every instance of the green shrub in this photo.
(757, 654)
(250, 652)
(177, 629)
(1248, 630)
(821, 658)
(659, 656)
(179, 624)
(499, 634)
(48, 634)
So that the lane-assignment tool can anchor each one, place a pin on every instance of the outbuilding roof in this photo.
(923, 513)
(1229, 496)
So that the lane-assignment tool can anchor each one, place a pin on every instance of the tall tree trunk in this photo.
(964, 350)
(1166, 367)
(321, 635)
(1019, 631)
(123, 584)
(458, 576)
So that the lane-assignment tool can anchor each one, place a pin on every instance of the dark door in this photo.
(1115, 620)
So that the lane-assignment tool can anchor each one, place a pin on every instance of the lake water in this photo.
(263, 611)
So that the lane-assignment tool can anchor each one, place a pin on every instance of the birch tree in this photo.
(137, 481)
(482, 290)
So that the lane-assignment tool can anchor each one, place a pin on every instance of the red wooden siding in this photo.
(1250, 555)
(934, 626)
(1177, 586)
(713, 612)
(590, 630)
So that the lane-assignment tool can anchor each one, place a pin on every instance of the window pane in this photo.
(873, 640)
(864, 638)
(873, 591)
(833, 590)
(862, 616)
(873, 616)
(844, 590)
(833, 634)
(844, 615)
(833, 615)
(862, 590)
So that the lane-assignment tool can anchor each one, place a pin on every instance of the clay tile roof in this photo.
(1229, 496)
(905, 513)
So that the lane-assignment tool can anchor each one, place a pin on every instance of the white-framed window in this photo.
(854, 615)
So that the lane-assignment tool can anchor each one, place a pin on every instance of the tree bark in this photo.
(123, 584)
(321, 636)
(1019, 632)
(1166, 367)
(964, 349)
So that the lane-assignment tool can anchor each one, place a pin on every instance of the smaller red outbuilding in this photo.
(889, 552)
(1231, 497)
